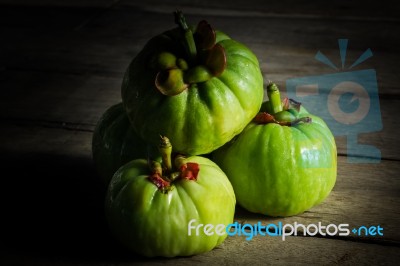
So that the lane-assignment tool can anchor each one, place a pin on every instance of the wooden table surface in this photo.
(61, 67)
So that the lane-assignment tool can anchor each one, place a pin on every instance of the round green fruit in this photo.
(115, 143)
(283, 163)
(197, 86)
(151, 206)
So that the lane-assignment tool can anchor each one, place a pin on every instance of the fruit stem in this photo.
(274, 98)
(302, 119)
(156, 177)
(155, 168)
(188, 39)
(165, 149)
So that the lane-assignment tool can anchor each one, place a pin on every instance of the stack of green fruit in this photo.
(191, 92)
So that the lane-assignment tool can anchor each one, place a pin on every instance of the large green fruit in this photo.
(200, 88)
(114, 142)
(151, 206)
(283, 163)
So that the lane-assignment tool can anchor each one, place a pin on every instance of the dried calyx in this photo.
(171, 168)
(283, 113)
(204, 60)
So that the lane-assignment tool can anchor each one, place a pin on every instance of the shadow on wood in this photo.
(52, 206)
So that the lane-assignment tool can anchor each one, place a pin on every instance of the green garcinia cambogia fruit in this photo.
(195, 85)
(149, 204)
(284, 162)
(115, 142)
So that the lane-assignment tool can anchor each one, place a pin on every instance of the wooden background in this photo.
(61, 66)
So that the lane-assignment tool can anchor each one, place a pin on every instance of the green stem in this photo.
(179, 161)
(274, 98)
(302, 119)
(166, 151)
(188, 39)
(155, 168)
(156, 177)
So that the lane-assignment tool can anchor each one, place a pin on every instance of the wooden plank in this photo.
(60, 3)
(70, 69)
(234, 251)
(70, 99)
(365, 194)
(60, 218)
(49, 39)
(60, 98)
(85, 57)
(42, 18)
(348, 10)
(107, 42)
(255, 8)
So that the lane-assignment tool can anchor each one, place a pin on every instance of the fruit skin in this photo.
(115, 143)
(152, 223)
(207, 114)
(281, 170)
